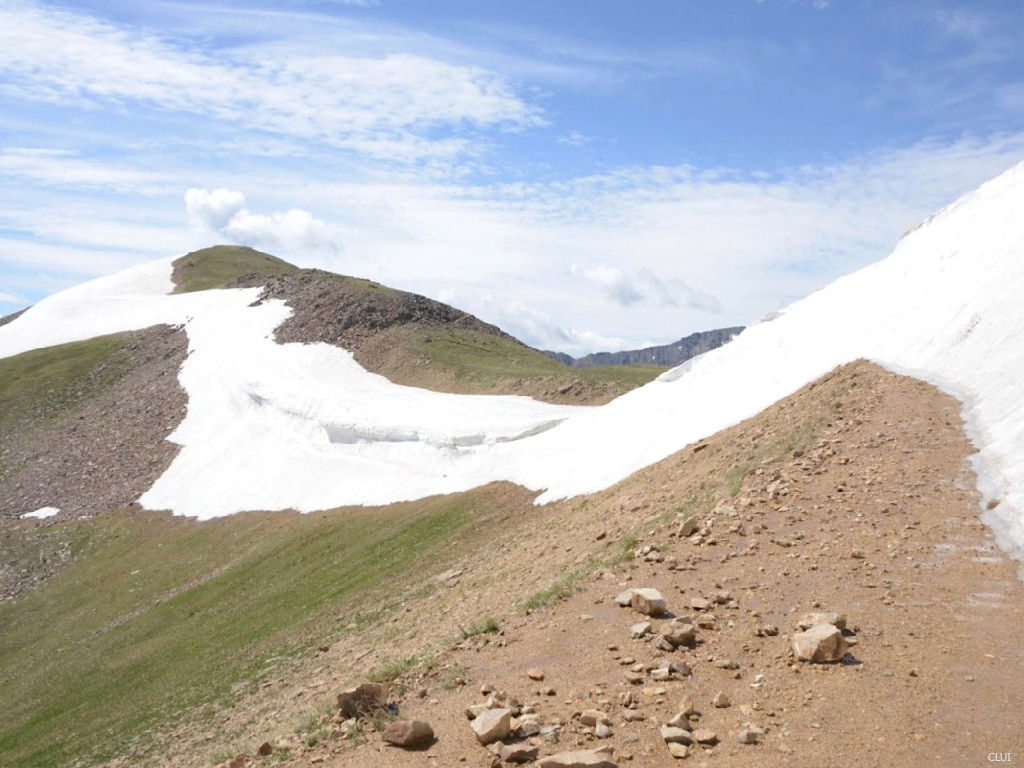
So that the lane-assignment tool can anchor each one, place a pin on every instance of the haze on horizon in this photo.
(586, 175)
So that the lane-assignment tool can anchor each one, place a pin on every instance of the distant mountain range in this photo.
(669, 354)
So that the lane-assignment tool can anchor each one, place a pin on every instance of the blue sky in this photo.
(587, 174)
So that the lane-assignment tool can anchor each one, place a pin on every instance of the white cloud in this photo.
(294, 231)
(10, 298)
(61, 167)
(385, 105)
(644, 286)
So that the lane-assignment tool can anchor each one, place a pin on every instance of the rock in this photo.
(820, 644)
(687, 527)
(680, 634)
(265, 749)
(519, 753)
(682, 720)
(687, 705)
(535, 674)
(602, 731)
(808, 620)
(648, 601)
(768, 630)
(639, 630)
(363, 699)
(593, 717)
(408, 733)
(625, 599)
(700, 604)
(673, 735)
(599, 758)
(747, 736)
(678, 751)
(705, 736)
(726, 664)
(239, 761)
(492, 725)
(721, 700)
(473, 710)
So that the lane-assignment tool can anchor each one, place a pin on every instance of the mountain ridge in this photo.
(669, 355)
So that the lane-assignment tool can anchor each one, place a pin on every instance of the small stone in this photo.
(678, 751)
(661, 674)
(681, 634)
(602, 731)
(599, 758)
(625, 599)
(408, 733)
(535, 674)
(639, 630)
(671, 734)
(687, 705)
(747, 736)
(593, 717)
(768, 630)
(726, 664)
(705, 736)
(682, 720)
(519, 753)
(721, 701)
(808, 620)
(492, 725)
(687, 527)
(265, 749)
(820, 644)
(700, 604)
(648, 601)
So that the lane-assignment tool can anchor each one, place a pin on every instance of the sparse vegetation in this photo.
(562, 589)
(487, 626)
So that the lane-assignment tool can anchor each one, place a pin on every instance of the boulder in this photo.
(721, 701)
(408, 733)
(705, 736)
(680, 634)
(625, 599)
(678, 751)
(648, 601)
(363, 699)
(492, 725)
(593, 717)
(820, 644)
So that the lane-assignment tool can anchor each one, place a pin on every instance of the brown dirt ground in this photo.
(854, 494)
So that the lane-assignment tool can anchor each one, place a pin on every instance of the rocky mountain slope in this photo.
(670, 355)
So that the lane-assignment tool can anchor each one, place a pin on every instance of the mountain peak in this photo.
(218, 265)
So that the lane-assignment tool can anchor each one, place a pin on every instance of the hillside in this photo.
(850, 495)
(670, 355)
(415, 341)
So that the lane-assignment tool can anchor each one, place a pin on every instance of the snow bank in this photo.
(274, 426)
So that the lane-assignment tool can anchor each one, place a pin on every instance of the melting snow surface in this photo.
(274, 426)
(42, 513)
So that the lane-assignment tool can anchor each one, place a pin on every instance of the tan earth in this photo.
(854, 495)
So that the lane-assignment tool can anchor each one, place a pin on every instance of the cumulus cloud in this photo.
(222, 211)
(10, 298)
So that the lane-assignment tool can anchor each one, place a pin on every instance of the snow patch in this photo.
(42, 513)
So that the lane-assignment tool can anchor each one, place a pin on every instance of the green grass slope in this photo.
(164, 615)
(471, 361)
(218, 265)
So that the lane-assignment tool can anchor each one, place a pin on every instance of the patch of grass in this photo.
(165, 614)
(489, 625)
(392, 670)
(217, 266)
(563, 589)
(623, 551)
